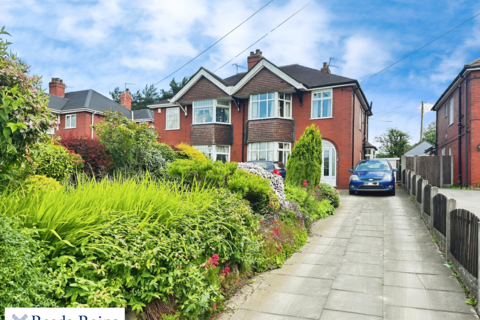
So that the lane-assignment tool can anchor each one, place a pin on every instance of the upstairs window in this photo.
(172, 118)
(270, 105)
(210, 111)
(322, 104)
(70, 121)
(450, 118)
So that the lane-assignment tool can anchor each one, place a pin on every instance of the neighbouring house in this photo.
(420, 149)
(259, 114)
(458, 126)
(370, 151)
(77, 111)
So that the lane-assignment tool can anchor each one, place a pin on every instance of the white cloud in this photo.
(364, 56)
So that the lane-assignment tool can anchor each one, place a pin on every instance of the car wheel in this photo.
(351, 192)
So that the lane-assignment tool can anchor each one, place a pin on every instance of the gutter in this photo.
(353, 127)
(466, 132)
(460, 136)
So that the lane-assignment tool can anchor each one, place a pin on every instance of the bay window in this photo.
(269, 151)
(270, 105)
(216, 153)
(172, 118)
(210, 111)
(322, 104)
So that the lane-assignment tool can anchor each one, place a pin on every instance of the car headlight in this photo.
(354, 177)
(387, 177)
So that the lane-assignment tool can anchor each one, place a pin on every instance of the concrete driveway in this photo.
(374, 260)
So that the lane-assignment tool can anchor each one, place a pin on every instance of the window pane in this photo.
(270, 155)
(222, 149)
(334, 162)
(280, 109)
(316, 109)
(281, 95)
(271, 145)
(280, 145)
(327, 94)
(254, 155)
(254, 110)
(288, 96)
(222, 115)
(326, 163)
(271, 96)
(317, 95)
(263, 96)
(222, 157)
(327, 108)
(288, 110)
(254, 146)
(262, 155)
(262, 145)
(263, 109)
(203, 115)
(255, 97)
(203, 103)
(74, 121)
(223, 102)
(271, 110)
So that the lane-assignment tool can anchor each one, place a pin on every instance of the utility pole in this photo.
(421, 124)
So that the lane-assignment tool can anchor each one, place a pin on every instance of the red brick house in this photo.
(458, 126)
(76, 111)
(259, 114)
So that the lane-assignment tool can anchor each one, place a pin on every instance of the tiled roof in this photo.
(93, 101)
(369, 145)
(474, 63)
(309, 77)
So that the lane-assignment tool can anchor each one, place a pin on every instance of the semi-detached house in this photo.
(259, 114)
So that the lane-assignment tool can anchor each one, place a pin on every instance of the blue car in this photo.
(275, 167)
(373, 175)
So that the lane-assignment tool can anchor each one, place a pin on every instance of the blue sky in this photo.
(103, 44)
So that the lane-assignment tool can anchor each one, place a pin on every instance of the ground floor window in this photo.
(269, 151)
(217, 153)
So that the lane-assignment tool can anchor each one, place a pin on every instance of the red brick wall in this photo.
(267, 130)
(474, 128)
(174, 137)
(83, 127)
(211, 134)
(202, 90)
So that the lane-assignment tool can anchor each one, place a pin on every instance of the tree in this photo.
(175, 87)
(305, 162)
(116, 94)
(24, 115)
(430, 134)
(394, 143)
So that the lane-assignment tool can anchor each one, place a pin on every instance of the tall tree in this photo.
(430, 134)
(305, 162)
(116, 94)
(393, 143)
(175, 87)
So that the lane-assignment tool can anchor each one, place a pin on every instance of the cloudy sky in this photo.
(101, 45)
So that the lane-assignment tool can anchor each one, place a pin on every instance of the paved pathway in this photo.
(375, 260)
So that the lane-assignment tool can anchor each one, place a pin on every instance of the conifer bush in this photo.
(305, 161)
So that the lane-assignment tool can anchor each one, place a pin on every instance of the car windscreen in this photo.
(263, 165)
(372, 166)
(278, 165)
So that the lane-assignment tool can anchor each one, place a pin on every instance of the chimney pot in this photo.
(326, 68)
(253, 58)
(126, 99)
(57, 87)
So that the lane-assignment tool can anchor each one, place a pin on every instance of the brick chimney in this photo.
(57, 87)
(126, 100)
(253, 58)
(325, 68)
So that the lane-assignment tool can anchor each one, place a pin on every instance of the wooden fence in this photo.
(456, 230)
(464, 239)
(438, 170)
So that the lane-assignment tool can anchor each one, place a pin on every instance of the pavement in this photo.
(374, 260)
(466, 199)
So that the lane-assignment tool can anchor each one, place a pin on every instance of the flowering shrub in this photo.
(38, 181)
(24, 116)
(54, 161)
(308, 205)
(97, 161)
(276, 182)
(324, 191)
(184, 151)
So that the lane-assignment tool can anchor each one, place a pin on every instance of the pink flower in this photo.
(271, 204)
(305, 183)
(279, 248)
(275, 221)
(124, 151)
(276, 230)
(316, 187)
(214, 307)
(261, 222)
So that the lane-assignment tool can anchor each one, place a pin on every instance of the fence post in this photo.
(406, 179)
(451, 170)
(422, 205)
(433, 193)
(441, 171)
(415, 163)
(451, 205)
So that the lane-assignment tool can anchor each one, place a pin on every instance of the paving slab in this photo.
(375, 259)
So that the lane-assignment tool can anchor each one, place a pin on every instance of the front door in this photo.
(329, 164)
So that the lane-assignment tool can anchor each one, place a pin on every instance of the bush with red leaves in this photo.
(97, 161)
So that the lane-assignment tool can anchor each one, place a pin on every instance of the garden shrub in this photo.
(38, 181)
(97, 160)
(185, 151)
(24, 115)
(305, 161)
(167, 153)
(308, 204)
(326, 191)
(54, 161)
(24, 283)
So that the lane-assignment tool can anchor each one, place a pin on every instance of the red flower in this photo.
(214, 307)
(279, 248)
(275, 221)
(271, 204)
(316, 187)
(261, 222)
(76, 162)
(305, 183)
(276, 230)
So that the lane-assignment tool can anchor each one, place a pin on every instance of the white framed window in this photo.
(70, 121)
(450, 151)
(450, 118)
(360, 123)
(210, 111)
(217, 153)
(322, 104)
(172, 118)
(270, 105)
(269, 151)
(443, 151)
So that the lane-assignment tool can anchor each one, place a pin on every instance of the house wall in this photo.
(83, 127)
(337, 130)
(447, 135)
